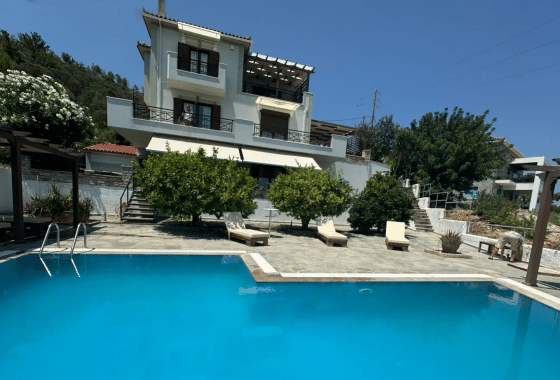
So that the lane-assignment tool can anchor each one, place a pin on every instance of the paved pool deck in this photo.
(299, 256)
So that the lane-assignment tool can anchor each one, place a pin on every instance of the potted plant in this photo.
(450, 242)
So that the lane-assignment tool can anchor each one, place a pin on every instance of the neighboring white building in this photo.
(206, 88)
(512, 181)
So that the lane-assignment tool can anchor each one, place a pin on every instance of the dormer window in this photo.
(197, 60)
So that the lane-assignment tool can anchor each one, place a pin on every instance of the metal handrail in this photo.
(122, 195)
(74, 245)
(45, 241)
(199, 67)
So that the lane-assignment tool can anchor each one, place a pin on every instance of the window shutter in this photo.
(216, 115)
(274, 124)
(183, 56)
(213, 63)
(177, 109)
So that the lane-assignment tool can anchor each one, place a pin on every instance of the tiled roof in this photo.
(143, 44)
(112, 148)
(213, 30)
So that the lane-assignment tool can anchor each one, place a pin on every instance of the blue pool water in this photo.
(203, 317)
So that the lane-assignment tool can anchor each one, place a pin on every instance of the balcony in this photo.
(186, 119)
(276, 93)
(195, 76)
(311, 138)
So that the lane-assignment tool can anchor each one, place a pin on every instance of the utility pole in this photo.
(374, 104)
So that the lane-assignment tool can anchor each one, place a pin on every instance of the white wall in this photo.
(105, 198)
(441, 225)
(107, 161)
(424, 203)
(6, 199)
(550, 257)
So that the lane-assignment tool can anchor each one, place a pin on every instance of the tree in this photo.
(381, 200)
(451, 151)
(187, 185)
(381, 137)
(41, 106)
(556, 197)
(306, 194)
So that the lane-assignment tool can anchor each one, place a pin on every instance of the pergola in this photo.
(20, 143)
(549, 176)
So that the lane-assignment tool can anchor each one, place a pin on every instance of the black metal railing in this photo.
(273, 92)
(187, 119)
(196, 66)
(313, 138)
(356, 143)
(152, 113)
(207, 122)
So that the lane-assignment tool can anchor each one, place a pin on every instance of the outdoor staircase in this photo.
(421, 220)
(138, 209)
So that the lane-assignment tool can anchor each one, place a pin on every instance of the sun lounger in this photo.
(394, 236)
(327, 232)
(236, 229)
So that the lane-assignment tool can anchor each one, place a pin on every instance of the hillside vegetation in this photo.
(86, 85)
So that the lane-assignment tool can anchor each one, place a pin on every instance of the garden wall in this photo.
(441, 225)
(6, 191)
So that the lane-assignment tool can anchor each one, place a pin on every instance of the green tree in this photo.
(306, 194)
(556, 197)
(381, 137)
(448, 150)
(187, 185)
(381, 200)
(41, 106)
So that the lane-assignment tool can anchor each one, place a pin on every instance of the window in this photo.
(274, 124)
(197, 60)
(194, 114)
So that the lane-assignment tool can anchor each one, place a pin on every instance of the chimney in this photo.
(161, 8)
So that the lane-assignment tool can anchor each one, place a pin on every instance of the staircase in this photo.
(138, 209)
(421, 220)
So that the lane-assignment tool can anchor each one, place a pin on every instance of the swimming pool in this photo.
(203, 317)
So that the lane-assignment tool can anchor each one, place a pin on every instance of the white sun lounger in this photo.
(327, 232)
(236, 229)
(394, 236)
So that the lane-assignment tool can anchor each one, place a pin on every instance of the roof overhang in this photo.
(143, 48)
(259, 156)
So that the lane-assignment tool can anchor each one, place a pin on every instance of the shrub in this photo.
(555, 215)
(307, 193)
(54, 205)
(450, 242)
(187, 185)
(381, 200)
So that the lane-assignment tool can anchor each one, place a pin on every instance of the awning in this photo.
(255, 156)
(159, 144)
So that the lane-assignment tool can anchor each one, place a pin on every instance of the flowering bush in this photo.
(41, 106)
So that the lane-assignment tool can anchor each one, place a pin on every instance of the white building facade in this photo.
(205, 88)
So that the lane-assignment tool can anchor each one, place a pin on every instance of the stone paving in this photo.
(296, 251)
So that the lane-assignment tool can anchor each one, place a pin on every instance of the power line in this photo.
(501, 60)
(509, 77)
(502, 42)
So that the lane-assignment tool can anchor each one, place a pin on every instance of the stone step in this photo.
(138, 220)
(146, 207)
(134, 213)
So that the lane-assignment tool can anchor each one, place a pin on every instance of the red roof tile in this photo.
(112, 148)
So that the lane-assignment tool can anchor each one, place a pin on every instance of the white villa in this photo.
(511, 181)
(205, 88)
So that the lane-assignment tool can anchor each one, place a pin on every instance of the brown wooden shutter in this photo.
(216, 115)
(274, 124)
(213, 63)
(177, 109)
(184, 52)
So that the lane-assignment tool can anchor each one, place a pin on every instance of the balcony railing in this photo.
(195, 66)
(273, 92)
(312, 138)
(187, 119)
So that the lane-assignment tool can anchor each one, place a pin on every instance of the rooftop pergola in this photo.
(20, 143)
(549, 175)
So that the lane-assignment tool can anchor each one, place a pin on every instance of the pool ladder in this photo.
(58, 245)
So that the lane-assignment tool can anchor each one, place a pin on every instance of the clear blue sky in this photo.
(421, 55)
